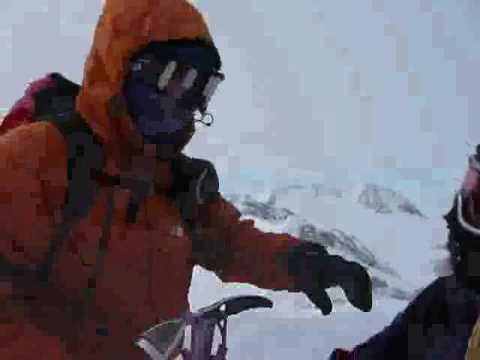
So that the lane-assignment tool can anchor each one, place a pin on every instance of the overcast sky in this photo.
(375, 90)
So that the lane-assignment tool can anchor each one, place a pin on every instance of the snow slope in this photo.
(405, 244)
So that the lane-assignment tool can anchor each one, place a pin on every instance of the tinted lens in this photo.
(148, 70)
(193, 98)
(192, 89)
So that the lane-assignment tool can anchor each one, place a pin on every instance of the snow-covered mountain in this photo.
(386, 201)
(372, 196)
(270, 215)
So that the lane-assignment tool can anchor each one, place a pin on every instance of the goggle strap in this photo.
(190, 78)
(166, 75)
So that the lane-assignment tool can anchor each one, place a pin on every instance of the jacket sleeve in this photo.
(238, 252)
(406, 336)
(391, 340)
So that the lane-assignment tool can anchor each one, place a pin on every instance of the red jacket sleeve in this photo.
(238, 252)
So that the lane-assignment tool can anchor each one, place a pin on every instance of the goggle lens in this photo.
(192, 89)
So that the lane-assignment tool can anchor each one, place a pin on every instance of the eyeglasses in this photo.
(192, 89)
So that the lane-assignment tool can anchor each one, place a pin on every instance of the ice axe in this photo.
(164, 341)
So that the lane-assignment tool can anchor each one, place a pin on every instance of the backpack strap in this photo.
(85, 154)
(57, 100)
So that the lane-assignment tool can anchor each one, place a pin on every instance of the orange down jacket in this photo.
(147, 269)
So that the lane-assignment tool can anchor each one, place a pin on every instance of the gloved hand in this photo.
(314, 270)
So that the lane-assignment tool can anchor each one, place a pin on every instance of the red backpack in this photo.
(41, 96)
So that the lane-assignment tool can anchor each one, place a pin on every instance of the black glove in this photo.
(314, 270)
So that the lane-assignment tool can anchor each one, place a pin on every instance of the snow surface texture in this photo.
(378, 227)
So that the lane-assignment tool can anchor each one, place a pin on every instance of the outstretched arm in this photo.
(414, 331)
(239, 252)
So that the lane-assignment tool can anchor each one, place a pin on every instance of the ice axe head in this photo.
(163, 341)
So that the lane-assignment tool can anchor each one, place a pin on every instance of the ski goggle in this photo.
(191, 88)
(468, 198)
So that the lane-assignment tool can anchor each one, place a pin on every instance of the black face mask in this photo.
(464, 249)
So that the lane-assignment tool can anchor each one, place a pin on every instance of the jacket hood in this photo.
(124, 28)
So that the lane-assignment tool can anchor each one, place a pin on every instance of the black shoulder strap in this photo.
(196, 183)
(57, 105)
(85, 155)
(57, 100)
